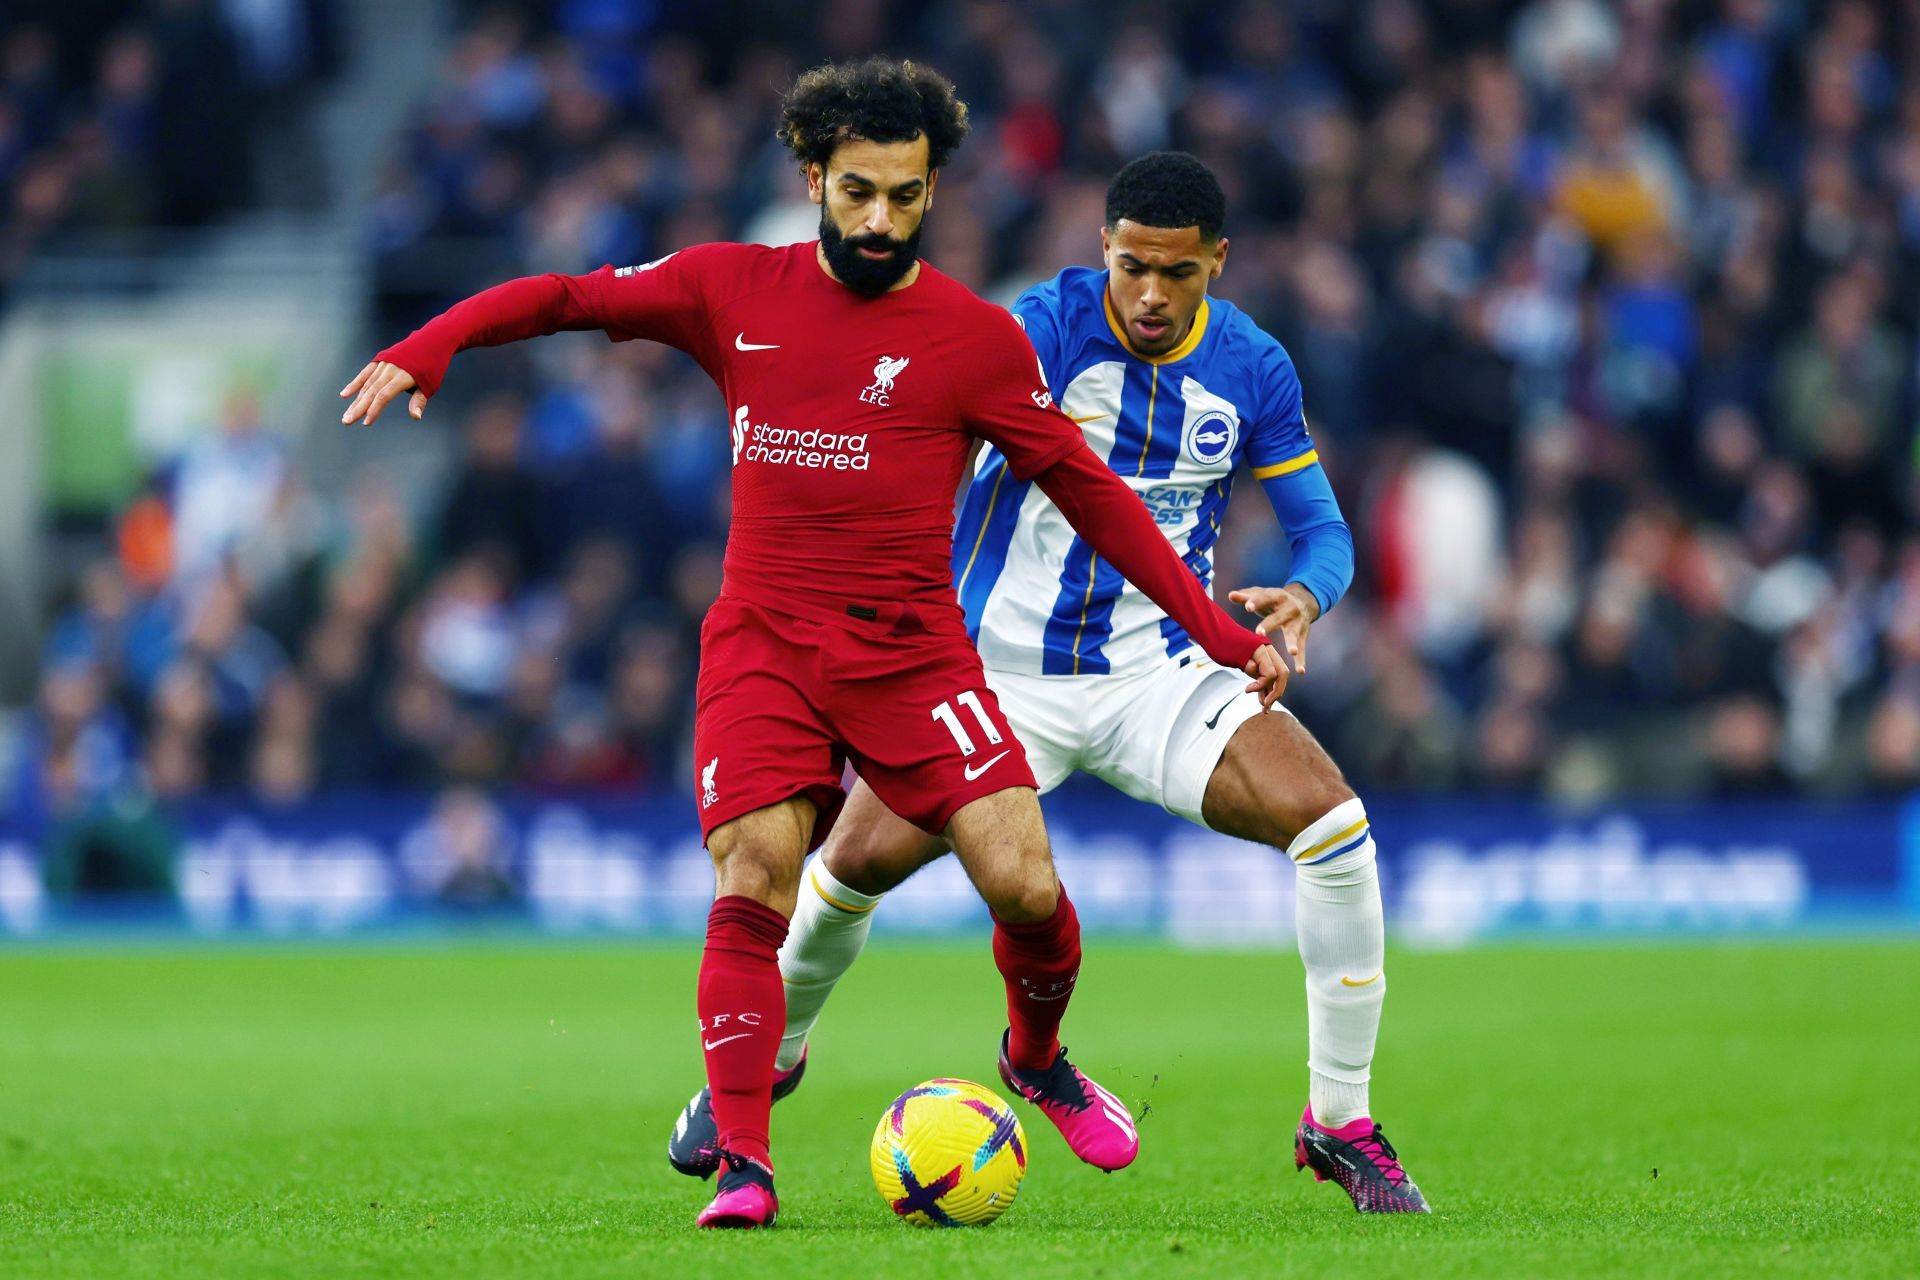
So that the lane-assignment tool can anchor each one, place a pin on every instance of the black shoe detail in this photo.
(1368, 1170)
(742, 1171)
(1059, 1083)
(693, 1148)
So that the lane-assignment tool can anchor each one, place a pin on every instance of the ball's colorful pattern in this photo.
(949, 1153)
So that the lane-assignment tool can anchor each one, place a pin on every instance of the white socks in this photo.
(830, 926)
(1336, 914)
(1343, 943)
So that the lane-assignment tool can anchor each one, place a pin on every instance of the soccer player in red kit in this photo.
(856, 378)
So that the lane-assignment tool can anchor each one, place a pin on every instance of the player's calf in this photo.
(1342, 936)
(1277, 785)
(742, 1009)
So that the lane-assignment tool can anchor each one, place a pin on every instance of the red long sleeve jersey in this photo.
(851, 420)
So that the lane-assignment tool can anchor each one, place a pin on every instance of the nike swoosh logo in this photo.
(1049, 999)
(1081, 420)
(715, 1044)
(1349, 982)
(740, 343)
(974, 771)
(1222, 711)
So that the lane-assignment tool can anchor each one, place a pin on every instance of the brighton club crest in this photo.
(1211, 436)
(881, 392)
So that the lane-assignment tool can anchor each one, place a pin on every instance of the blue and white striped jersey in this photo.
(1174, 427)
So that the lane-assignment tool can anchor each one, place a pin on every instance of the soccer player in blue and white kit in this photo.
(1176, 391)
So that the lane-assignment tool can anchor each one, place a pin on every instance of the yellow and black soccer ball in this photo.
(949, 1153)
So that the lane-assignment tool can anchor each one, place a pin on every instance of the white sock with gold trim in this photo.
(830, 925)
(1343, 944)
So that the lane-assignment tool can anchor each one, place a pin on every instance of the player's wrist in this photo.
(1234, 646)
(427, 367)
(1308, 601)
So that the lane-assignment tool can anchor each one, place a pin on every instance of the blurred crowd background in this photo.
(1606, 316)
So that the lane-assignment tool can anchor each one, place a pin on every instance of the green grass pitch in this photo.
(500, 1109)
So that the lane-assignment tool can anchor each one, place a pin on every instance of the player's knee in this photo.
(1308, 804)
(1337, 843)
(751, 870)
(863, 865)
(1026, 898)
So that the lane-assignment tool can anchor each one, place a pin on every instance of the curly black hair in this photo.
(1168, 189)
(875, 100)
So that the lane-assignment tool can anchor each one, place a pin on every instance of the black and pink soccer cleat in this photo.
(745, 1197)
(1359, 1158)
(1093, 1121)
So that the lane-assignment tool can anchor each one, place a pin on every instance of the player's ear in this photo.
(816, 181)
(1219, 259)
(1106, 245)
(933, 180)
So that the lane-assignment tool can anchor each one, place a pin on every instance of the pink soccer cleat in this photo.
(745, 1199)
(1094, 1123)
(1357, 1157)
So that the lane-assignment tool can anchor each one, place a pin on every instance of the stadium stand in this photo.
(1622, 298)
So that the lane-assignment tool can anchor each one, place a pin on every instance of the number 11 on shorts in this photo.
(944, 713)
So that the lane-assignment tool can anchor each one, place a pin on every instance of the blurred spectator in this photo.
(1893, 746)
(495, 503)
(460, 856)
(283, 769)
(1617, 182)
(1838, 390)
(74, 749)
(1743, 744)
(225, 488)
(466, 635)
(116, 852)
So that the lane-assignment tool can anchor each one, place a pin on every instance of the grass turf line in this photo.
(488, 1111)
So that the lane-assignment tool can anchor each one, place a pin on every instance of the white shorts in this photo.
(1155, 734)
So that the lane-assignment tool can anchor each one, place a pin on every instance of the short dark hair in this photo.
(873, 100)
(1168, 189)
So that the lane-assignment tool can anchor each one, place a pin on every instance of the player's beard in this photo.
(868, 275)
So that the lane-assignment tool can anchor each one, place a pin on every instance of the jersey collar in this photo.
(1187, 345)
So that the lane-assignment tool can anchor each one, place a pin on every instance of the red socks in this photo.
(1040, 962)
(743, 1007)
(743, 1011)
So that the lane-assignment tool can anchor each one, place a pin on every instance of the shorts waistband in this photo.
(871, 618)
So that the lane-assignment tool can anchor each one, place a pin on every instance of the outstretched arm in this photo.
(525, 308)
(661, 300)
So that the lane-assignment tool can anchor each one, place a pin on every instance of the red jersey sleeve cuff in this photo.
(426, 375)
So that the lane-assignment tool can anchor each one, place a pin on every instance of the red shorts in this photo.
(785, 701)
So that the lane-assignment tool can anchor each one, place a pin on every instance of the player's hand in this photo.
(1289, 610)
(1269, 675)
(374, 386)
